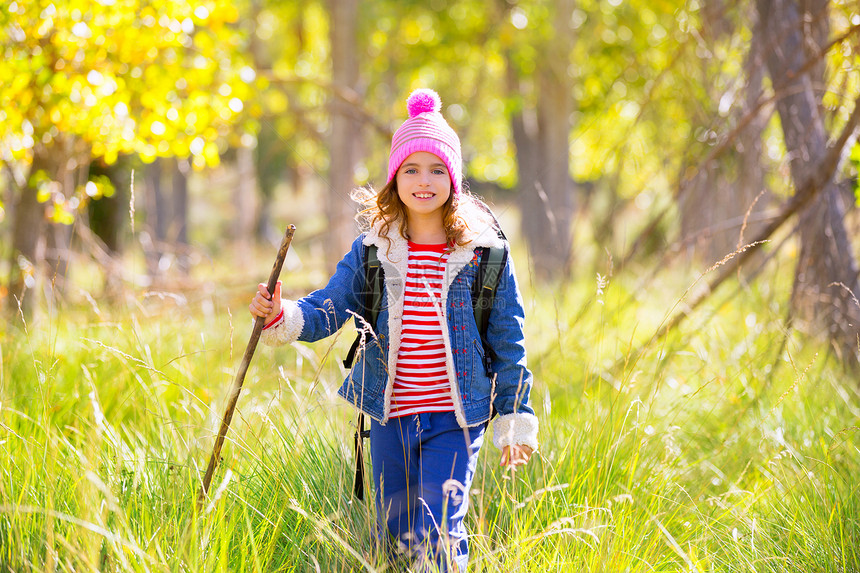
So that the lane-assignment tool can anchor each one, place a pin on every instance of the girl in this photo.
(421, 376)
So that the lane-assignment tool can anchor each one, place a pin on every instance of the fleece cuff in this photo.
(288, 328)
(516, 430)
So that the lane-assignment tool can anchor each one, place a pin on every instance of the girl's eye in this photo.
(439, 172)
(411, 171)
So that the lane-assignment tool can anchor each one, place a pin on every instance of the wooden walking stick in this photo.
(259, 322)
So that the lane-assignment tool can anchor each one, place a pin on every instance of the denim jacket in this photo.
(476, 396)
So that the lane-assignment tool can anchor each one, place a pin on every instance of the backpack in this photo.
(491, 263)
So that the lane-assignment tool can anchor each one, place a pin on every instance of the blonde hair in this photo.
(385, 208)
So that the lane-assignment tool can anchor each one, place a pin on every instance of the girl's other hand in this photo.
(515, 456)
(265, 306)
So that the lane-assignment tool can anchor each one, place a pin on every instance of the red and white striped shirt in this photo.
(421, 381)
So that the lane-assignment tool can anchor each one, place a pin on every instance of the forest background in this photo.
(679, 184)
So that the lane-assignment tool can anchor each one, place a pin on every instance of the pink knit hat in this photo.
(426, 130)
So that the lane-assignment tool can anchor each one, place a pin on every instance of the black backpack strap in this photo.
(372, 298)
(360, 432)
(373, 282)
(373, 278)
(350, 356)
(491, 262)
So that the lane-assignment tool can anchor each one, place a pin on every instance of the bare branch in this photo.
(802, 197)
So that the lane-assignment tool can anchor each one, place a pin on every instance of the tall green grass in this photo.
(729, 445)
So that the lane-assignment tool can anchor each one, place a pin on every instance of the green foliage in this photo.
(183, 79)
(711, 450)
(125, 76)
(288, 46)
(62, 209)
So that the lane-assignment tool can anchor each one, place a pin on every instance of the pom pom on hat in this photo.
(423, 101)
(426, 130)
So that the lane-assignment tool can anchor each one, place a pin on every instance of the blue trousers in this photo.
(423, 467)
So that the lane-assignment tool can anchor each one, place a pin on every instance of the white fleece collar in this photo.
(481, 231)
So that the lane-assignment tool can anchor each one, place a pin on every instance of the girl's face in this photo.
(423, 184)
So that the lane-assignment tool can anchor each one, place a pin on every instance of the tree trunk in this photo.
(345, 147)
(7, 179)
(107, 215)
(713, 208)
(165, 241)
(28, 238)
(270, 158)
(543, 152)
(524, 130)
(826, 282)
(153, 238)
(272, 166)
(72, 172)
(245, 204)
(179, 218)
(750, 180)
